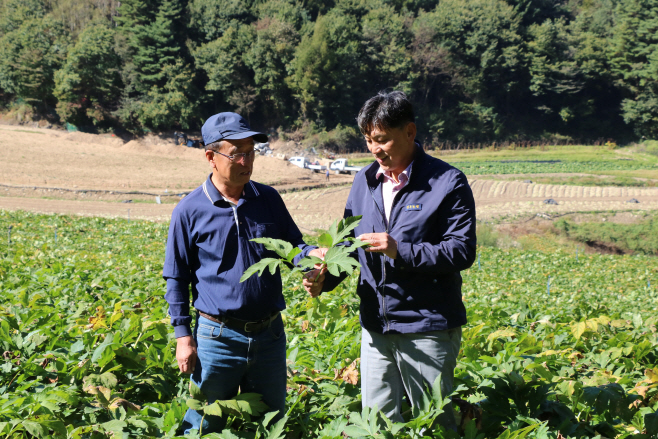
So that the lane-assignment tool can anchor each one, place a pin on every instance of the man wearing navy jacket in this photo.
(238, 340)
(419, 216)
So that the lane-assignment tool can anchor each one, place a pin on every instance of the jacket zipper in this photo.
(383, 259)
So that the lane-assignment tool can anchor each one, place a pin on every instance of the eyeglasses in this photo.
(240, 157)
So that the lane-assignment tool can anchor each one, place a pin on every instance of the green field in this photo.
(597, 160)
(88, 351)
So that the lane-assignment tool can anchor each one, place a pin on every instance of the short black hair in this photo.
(385, 110)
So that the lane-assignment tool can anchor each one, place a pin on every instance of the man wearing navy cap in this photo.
(238, 341)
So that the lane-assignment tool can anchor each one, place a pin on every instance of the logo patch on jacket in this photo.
(414, 207)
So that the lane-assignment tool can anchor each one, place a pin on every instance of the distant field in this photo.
(553, 159)
(589, 180)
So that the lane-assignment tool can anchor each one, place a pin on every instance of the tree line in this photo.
(476, 70)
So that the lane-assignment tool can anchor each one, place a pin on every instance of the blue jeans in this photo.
(229, 359)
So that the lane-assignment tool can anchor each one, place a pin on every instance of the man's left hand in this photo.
(381, 243)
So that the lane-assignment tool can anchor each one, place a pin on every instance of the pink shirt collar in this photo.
(403, 177)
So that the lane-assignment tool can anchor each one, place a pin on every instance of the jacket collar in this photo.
(214, 196)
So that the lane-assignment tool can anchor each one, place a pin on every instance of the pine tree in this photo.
(151, 45)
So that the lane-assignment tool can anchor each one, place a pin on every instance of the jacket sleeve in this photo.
(457, 248)
(176, 272)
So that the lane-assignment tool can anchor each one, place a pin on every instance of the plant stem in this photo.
(322, 266)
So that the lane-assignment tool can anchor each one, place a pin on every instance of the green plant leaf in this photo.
(651, 423)
(277, 431)
(107, 379)
(195, 392)
(195, 404)
(338, 260)
(309, 262)
(243, 404)
(292, 253)
(279, 246)
(35, 428)
(260, 266)
(339, 230)
(115, 426)
(325, 240)
(437, 394)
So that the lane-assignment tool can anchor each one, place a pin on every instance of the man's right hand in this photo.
(186, 354)
(313, 281)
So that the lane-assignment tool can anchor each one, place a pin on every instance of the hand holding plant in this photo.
(336, 246)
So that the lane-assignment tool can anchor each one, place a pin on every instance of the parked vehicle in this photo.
(303, 162)
(341, 166)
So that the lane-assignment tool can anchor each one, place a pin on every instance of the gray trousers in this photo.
(395, 364)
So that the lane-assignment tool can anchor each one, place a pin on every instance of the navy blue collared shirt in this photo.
(209, 249)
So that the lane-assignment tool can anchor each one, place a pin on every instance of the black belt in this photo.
(242, 325)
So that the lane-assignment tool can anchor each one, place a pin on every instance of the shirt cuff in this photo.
(182, 331)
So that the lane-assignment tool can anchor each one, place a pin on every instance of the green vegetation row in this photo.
(555, 347)
(476, 70)
(557, 166)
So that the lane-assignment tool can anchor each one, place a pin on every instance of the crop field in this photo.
(551, 159)
(545, 166)
(555, 159)
(557, 345)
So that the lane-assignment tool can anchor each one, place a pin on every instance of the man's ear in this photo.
(209, 156)
(411, 131)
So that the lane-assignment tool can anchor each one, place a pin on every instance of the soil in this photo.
(52, 171)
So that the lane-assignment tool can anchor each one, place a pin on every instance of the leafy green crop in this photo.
(87, 350)
(337, 259)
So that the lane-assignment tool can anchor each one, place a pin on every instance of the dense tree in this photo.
(13, 13)
(476, 70)
(151, 44)
(635, 63)
(222, 60)
(386, 36)
(328, 72)
(88, 86)
(213, 17)
(76, 15)
(268, 57)
(475, 51)
(171, 105)
(29, 57)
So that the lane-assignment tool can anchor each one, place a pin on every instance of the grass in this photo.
(613, 237)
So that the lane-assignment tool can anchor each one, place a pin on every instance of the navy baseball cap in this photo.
(228, 126)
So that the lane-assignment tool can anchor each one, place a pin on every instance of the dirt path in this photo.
(56, 172)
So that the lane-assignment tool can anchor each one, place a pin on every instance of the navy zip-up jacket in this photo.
(433, 221)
